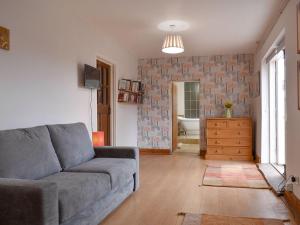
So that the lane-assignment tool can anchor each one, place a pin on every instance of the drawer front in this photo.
(214, 150)
(216, 123)
(229, 150)
(237, 151)
(229, 157)
(229, 142)
(233, 124)
(215, 133)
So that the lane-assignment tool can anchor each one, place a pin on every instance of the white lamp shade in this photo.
(173, 44)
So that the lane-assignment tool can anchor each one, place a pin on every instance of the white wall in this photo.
(180, 97)
(39, 76)
(287, 23)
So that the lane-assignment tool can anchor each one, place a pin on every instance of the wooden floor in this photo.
(170, 184)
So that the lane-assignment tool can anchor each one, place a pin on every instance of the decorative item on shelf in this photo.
(228, 109)
(133, 98)
(121, 96)
(130, 91)
(136, 86)
(122, 84)
(98, 138)
(126, 97)
(4, 38)
(128, 85)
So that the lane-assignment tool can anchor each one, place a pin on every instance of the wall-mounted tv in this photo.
(92, 77)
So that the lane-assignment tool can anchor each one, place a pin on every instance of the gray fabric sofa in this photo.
(51, 175)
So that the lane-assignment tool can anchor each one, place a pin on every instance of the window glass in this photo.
(191, 99)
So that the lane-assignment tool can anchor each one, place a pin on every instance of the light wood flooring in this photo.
(170, 184)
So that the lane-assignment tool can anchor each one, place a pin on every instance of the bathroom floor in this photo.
(188, 144)
(188, 148)
(189, 139)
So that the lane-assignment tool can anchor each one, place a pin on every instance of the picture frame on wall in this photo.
(298, 83)
(298, 28)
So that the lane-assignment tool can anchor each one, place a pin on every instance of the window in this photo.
(277, 110)
(191, 99)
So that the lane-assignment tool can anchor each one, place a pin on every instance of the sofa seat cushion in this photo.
(76, 191)
(72, 143)
(27, 154)
(120, 170)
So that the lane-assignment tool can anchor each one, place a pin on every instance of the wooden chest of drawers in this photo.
(229, 139)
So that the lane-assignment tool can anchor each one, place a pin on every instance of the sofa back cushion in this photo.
(27, 154)
(72, 144)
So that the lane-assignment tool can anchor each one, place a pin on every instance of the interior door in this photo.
(104, 101)
(174, 117)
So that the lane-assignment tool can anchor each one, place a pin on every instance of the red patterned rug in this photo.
(242, 176)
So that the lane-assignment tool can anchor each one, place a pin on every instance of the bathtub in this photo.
(191, 126)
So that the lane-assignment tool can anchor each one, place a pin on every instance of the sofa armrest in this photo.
(121, 152)
(116, 152)
(27, 202)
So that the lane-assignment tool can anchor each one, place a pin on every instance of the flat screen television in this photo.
(92, 77)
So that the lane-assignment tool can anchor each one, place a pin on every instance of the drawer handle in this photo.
(216, 133)
(216, 124)
(239, 151)
(239, 124)
(216, 142)
(216, 151)
(239, 133)
(239, 142)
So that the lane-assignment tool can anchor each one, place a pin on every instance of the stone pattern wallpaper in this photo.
(228, 77)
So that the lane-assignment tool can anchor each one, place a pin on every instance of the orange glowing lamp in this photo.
(98, 138)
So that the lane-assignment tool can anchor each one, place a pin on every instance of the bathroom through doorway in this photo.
(185, 117)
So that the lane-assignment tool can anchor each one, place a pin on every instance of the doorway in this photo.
(104, 100)
(185, 117)
(277, 111)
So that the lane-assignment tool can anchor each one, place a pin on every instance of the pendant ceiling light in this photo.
(173, 41)
(173, 44)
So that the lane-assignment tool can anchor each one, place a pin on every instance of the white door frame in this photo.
(171, 111)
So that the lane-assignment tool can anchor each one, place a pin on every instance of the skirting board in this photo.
(154, 151)
(257, 159)
(294, 204)
(202, 152)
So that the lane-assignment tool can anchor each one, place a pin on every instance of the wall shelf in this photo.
(130, 91)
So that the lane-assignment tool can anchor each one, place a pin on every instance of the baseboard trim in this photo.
(257, 159)
(155, 151)
(294, 204)
(202, 152)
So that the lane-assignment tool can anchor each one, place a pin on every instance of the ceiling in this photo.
(216, 26)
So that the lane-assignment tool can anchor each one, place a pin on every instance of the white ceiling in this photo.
(216, 26)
